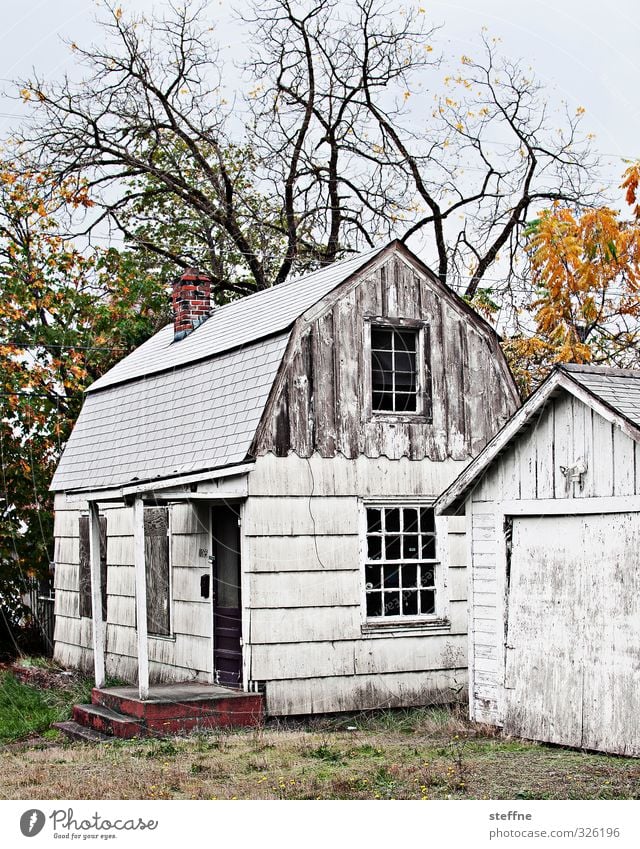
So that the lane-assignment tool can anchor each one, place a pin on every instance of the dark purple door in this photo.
(227, 611)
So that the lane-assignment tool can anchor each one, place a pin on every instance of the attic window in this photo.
(398, 375)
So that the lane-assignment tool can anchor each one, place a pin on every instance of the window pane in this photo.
(427, 519)
(391, 576)
(381, 338)
(374, 522)
(410, 520)
(392, 604)
(373, 577)
(383, 401)
(409, 576)
(405, 340)
(392, 519)
(405, 403)
(405, 361)
(426, 576)
(410, 603)
(428, 547)
(381, 380)
(410, 548)
(374, 604)
(392, 548)
(427, 601)
(382, 360)
(374, 548)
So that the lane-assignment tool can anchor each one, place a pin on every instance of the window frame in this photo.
(431, 621)
(423, 412)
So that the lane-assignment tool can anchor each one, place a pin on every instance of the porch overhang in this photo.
(227, 483)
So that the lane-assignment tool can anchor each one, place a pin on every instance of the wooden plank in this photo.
(97, 531)
(122, 581)
(305, 589)
(190, 552)
(66, 576)
(65, 523)
(305, 625)
(192, 618)
(121, 610)
(189, 653)
(324, 397)
(66, 550)
(563, 442)
(307, 553)
(120, 521)
(457, 544)
(301, 391)
(457, 584)
(348, 374)
(301, 516)
(156, 555)
(623, 463)
(123, 640)
(185, 583)
(66, 603)
(545, 452)
(365, 656)
(119, 550)
(141, 597)
(364, 692)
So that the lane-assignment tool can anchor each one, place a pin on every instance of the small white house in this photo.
(552, 509)
(247, 499)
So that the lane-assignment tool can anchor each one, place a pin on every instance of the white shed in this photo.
(552, 507)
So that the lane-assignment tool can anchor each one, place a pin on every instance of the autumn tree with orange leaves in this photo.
(65, 316)
(585, 301)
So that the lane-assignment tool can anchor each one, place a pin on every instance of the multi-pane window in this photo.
(394, 369)
(400, 565)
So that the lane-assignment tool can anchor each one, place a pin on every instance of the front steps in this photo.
(170, 709)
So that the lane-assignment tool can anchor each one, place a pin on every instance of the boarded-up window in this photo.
(156, 556)
(85, 567)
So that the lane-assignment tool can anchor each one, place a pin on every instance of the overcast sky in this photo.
(585, 51)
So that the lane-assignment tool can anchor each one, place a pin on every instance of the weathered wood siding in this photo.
(301, 546)
(529, 471)
(186, 653)
(320, 403)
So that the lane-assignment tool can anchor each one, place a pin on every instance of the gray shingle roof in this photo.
(237, 323)
(619, 388)
(175, 408)
(198, 417)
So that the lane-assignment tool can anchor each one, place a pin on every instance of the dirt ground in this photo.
(422, 754)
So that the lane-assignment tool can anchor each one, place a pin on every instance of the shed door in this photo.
(573, 631)
(227, 611)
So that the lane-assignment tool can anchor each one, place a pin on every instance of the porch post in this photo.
(141, 597)
(98, 629)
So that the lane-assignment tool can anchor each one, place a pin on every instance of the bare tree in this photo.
(323, 156)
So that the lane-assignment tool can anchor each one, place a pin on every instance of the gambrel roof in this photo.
(175, 408)
(613, 393)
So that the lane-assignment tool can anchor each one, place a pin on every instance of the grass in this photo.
(26, 710)
(424, 754)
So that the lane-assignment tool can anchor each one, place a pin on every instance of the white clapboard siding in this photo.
(190, 551)
(306, 553)
(121, 610)
(66, 576)
(364, 692)
(304, 589)
(329, 476)
(122, 640)
(73, 656)
(185, 583)
(300, 515)
(74, 631)
(364, 656)
(305, 625)
(67, 603)
(119, 549)
(121, 580)
(192, 618)
(66, 550)
(65, 523)
(190, 653)
(457, 584)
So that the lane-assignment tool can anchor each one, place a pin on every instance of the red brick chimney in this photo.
(191, 301)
